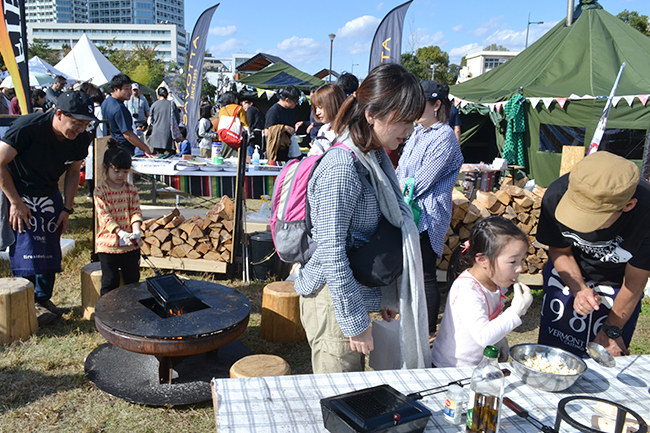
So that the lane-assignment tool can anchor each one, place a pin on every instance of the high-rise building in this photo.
(107, 11)
(57, 11)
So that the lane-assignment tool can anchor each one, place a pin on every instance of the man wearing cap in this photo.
(139, 109)
(119, 117)
(34, 152)
(595, 222)
(54, 91)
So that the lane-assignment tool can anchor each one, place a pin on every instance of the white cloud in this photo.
(487, 27)
(455, 54)
(228, 47)
(295, 49)
(359, 48)
(380, 5)
(223, 31)
(421, 38)
(516, 40)
(359, 28)
(457, 28)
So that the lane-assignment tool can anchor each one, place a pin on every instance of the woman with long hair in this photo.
(325, 105)
(432, 157)
(345, 211)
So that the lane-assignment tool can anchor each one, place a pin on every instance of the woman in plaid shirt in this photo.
(345, 214)
(433, 158)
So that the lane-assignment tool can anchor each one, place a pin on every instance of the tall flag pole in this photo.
(13, 47)
(387, 44)
(194, 77)
(600, 129)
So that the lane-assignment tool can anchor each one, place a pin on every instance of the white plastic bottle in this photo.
(255, 159)
(486, 394)
(453, 405)
(216, 153)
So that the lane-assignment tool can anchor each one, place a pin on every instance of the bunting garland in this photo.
(548, 101)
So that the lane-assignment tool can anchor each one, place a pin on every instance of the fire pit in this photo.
(167, 341)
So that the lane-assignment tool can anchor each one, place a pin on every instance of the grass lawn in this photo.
(42, 383)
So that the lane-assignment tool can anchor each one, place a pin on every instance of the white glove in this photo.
(504, 348)
(522, 299)
(136, 235)
(125, 236)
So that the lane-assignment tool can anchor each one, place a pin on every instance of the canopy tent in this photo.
(36, 64)
(565, 77)
(86, 63)
(280, 75)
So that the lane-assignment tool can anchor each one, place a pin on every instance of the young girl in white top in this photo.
(325, 105)
(490, 261)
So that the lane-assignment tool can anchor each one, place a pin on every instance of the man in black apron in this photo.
(595, 222)
(34, 152)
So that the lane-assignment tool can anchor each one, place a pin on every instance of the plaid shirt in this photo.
(432, 156)
(344, 215)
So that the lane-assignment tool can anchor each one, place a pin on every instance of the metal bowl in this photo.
(546, 381)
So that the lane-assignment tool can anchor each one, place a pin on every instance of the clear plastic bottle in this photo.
(255, 159)
(486, 394)
(453, 405)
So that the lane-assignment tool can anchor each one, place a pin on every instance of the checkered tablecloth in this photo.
(291, 404)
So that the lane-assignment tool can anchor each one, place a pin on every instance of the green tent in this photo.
(281, 75)
(580, 63)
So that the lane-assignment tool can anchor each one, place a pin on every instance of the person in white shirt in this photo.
(490, 261)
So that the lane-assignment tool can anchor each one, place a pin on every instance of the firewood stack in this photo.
(511, 201)
(208, 238)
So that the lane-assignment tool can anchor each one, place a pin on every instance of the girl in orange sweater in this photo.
(119, 218)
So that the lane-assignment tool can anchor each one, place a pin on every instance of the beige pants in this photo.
(330, 349)
(205, 153)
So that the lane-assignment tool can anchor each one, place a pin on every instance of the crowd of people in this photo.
(394, 136)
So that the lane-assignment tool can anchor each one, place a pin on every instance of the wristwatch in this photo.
(612, 332)
(70, 211)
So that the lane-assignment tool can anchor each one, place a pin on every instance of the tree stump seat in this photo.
(17, 310)
(281, 313)
(259, 366)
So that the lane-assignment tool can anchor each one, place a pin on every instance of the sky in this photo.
(298, 31)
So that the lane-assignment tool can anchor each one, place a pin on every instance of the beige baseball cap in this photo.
(599, 185)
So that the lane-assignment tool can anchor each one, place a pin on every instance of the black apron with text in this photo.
(560, 326)
(38, 250)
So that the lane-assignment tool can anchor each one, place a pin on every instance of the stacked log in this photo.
(208, 238)
(511, 201)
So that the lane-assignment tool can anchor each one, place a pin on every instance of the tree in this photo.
(639, 22)
(431, 63)
(495, 47)
(40, 48)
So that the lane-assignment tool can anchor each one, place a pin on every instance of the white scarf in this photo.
(414, 335)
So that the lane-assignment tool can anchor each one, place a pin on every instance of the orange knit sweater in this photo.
(115, 209)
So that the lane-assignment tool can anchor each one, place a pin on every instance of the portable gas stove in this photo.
(168, 338)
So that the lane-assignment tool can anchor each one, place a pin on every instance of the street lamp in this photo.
(332, 36)
(352, 69)
(528, 27)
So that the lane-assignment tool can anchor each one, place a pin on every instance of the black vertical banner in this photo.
(387, 44)
(194, 77)
(13, 46)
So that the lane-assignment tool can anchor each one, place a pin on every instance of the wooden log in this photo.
(228, 212)
(152, 240)
(176, 240)
(91, 285)
(225, 256)
(525, 227)
(525, 201)
(523, 217)
(509, 213)
(453, 241)
(228, 225)
(162, 221)
(17, 310)
(166, 246)
(191, 242)
(162, 235)
(458, 213)
(183, 236)
(537, 203)
(146, 224)
(145, 248)
(259, 366)
(463, 233)
(214, 211)
(513, 191)
(521, 182)
(487, 199)
(503, 197)
(483, 212)
(202, 248)
(281, 313)
(459, 199)
(193, 254)
(473, 213)
(156, 251)
(212, 255)
(498, 208)
(181, 250)
(175, 222)
(535, 212)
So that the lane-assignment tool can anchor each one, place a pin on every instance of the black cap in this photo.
(76, 104)
(434, 90)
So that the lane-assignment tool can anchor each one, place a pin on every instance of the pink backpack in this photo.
(290, 221)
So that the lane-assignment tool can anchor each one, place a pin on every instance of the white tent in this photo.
(86, 63)
(36, 64)
(172, 96)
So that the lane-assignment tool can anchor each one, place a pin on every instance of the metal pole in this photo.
(569, 13)
(331, 36)
(527, 29)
